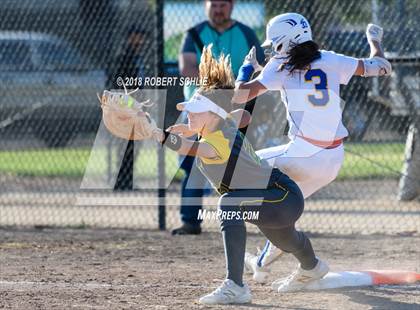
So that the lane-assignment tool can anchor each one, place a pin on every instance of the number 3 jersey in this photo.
(312, 97)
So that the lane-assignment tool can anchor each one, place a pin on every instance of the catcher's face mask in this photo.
(199, 104)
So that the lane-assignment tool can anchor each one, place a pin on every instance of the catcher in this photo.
(244, 181)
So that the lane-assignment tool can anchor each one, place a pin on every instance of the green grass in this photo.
(172, 47)
(71, 162)
(363, 160)
(45, 162)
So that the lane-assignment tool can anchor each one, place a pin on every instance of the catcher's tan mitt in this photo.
(124, 117)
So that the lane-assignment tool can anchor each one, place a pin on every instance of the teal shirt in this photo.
(235, 41)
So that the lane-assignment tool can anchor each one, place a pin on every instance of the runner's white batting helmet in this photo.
(285, 30)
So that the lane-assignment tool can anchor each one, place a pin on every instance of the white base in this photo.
(341, 279)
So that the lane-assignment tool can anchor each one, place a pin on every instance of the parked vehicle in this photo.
(47, 85)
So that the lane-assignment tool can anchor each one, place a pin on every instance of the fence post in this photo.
(161, 110)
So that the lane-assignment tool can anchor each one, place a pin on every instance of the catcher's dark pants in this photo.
(278, 209)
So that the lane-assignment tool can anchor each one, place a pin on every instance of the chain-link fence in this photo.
(55, 57)
(58, 167)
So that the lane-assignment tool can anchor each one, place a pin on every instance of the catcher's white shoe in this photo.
(300, 278)
(258, 264)
(228, 293)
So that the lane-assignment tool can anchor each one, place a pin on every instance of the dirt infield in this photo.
(134, 269)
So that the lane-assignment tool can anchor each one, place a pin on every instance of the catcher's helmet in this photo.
(285, 30)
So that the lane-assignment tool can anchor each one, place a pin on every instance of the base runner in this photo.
(309, 80)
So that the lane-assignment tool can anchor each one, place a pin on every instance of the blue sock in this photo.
(234, 240)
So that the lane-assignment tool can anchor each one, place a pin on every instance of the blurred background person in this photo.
(125, 65)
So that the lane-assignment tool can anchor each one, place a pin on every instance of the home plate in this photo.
(364, 278)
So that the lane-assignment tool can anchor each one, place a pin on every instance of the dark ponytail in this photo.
(300, 56)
